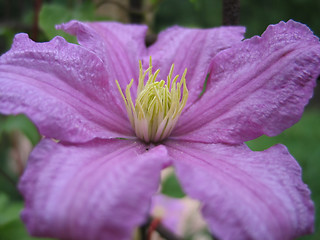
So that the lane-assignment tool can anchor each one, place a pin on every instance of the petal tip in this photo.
(73, 27)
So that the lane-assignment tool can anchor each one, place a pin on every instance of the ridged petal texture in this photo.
(98, 190)
(119, 46)
(192, 49)
(259, 86)
(245, 195)
(91, 184)
(63, 88)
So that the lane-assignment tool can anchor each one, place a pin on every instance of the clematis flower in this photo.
(113, 136)
(181, 216)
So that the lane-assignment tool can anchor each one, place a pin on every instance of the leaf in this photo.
(172, 188)
(53, 14)
(20, 123)
(9, 211)
(11, 226)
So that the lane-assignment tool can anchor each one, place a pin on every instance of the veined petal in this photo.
(97, 190)
(245, 194)
(120, 46)
(192, 49)
(259, 86)
(63, 88)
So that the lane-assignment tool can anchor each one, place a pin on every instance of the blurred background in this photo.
(38, 17)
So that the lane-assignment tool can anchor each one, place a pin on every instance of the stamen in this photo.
(158, 105)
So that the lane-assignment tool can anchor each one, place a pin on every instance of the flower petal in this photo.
(180, 215)
(259, 86)
(120, 46)
(192, 49)
(97, 190)
(245, 194)
(63, 88)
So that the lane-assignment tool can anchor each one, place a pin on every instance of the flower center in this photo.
(158, 104)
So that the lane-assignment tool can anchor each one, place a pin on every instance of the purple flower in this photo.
(181, 215)
(97, 180)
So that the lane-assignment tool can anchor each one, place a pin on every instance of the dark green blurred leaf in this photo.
(6, 36)
(171, 187)
(192, 13)
(195, 3)
(257, 15)
(9, 211)
(21, 123)
(15, 230)
(53, 14)
(11, 227)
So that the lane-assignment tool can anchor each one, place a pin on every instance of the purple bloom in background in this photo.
(180, 215)
(97, 181)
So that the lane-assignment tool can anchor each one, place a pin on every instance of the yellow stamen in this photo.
(158, 105)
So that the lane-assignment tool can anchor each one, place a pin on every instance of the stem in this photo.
(136, 15)
(115, 2)
(162, 230)
(35, 26)
(231, 12)
(143, 230)
(16, 140)
(166, 233)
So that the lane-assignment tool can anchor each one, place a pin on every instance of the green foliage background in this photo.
(302, 139)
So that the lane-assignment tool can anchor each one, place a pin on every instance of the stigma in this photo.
(158, 104)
